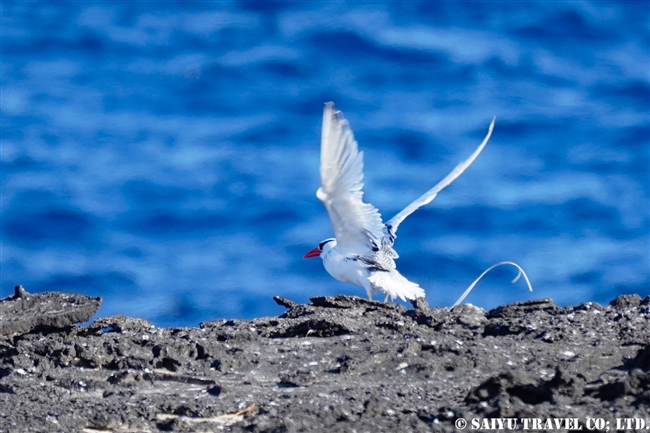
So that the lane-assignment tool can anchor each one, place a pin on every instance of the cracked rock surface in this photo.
(24, 311)
(338, 364)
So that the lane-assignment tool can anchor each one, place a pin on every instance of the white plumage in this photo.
(362, 251)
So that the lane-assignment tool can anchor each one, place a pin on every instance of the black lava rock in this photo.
(337, 364)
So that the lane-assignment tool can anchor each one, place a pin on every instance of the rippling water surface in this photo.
(164, 156)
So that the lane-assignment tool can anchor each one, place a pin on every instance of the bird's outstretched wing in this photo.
(426, 198)
(357, 225)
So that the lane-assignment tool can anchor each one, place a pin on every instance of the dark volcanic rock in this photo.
(23, 311)
(338, 364)
(626, 301)
(520, 309)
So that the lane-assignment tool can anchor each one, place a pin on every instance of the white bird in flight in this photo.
(362, 250)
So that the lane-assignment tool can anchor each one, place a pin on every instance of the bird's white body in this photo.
(362, 252)
(349, 269)
(341, 267)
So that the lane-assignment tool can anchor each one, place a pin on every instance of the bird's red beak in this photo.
(312, 253)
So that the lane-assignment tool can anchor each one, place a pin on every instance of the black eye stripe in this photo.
(322, 244)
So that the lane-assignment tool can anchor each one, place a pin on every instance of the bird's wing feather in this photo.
(431, 194)
(357, 225)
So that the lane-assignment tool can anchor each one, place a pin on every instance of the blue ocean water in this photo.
(164, 155)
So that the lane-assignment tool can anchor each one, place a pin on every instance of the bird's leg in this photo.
(369, 290)
(385, 298)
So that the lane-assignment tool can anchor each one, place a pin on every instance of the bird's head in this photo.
(321, 249)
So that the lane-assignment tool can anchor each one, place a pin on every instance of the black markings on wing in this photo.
(372, 239)
(387, 242)
(369, 264)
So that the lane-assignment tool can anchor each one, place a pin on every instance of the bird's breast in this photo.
(343, 268)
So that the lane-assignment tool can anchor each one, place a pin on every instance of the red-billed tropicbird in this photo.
(362, 252)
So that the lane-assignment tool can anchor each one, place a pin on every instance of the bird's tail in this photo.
(521, 272)
(393, 284)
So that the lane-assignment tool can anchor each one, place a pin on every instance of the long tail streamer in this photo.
(521, 272)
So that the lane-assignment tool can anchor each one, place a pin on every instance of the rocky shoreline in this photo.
(337, 364)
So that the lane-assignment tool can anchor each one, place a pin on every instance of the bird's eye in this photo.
(322, 244)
